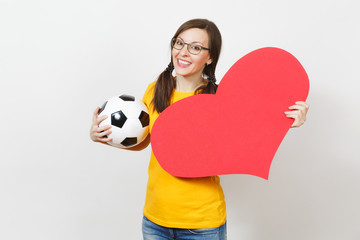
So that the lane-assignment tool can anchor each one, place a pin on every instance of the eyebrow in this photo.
(192, 42)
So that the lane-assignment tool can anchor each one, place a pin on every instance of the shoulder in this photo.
(150, 88)
(152, 85)
(149, 93)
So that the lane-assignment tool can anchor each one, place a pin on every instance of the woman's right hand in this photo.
(98, 134)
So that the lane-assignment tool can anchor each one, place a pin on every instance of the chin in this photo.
(182, 73)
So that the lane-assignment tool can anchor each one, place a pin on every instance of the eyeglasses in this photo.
(193, 48)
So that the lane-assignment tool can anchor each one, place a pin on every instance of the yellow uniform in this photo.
(181, 202)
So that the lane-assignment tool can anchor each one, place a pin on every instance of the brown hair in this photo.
(165, 83)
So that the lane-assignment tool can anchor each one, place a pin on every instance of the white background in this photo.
(61, 59)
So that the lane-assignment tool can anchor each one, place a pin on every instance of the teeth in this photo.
(182, 62)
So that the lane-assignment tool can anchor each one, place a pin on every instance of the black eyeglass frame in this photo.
(188, 46)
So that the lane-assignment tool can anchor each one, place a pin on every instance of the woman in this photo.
(185, 208)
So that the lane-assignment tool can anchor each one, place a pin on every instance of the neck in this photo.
(188, 84)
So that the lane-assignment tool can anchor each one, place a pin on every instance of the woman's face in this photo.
(187, 64)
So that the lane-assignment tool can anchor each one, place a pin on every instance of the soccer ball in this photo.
(129, 120)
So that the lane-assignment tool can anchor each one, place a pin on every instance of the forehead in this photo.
(195, 35)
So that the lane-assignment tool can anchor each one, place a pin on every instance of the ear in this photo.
(209, 61)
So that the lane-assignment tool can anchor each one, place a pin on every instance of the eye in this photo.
(179, 42)
(196, 47)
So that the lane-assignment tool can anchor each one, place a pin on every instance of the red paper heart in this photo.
(237, 130)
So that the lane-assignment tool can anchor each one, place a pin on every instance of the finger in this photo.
(302, 106)
(291, 116)
(297, 123)
(295, 116)
(96, 131)
(302, 103)
(294, 112)
(297, 107)
(105, 139)
(103, 128)
(95, 114)
(100, 119)
(104, 134)
(301, 112)
(297, 120)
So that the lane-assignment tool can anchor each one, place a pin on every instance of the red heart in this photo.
(237, 130)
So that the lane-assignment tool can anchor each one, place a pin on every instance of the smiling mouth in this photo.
(182, 63)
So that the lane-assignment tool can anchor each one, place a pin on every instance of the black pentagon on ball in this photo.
(102, 107)
(129, 141)
(144, 119)
(126, 97)
(118, 119)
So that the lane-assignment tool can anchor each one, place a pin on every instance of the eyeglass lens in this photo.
(192, 47)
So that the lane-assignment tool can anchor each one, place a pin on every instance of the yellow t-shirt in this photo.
(181, 202)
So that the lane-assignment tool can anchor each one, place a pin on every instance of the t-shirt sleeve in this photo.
(149, 94)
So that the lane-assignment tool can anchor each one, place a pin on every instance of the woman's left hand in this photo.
(298, 113)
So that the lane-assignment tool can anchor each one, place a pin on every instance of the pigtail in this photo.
(211, 87)
(163, 89)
